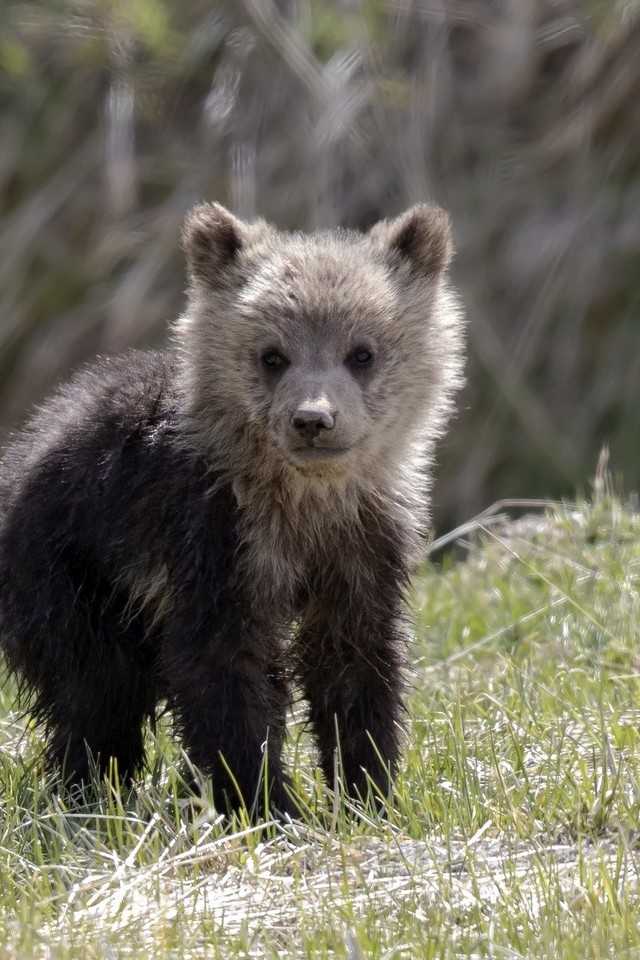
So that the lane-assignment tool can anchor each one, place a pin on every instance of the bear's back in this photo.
(103, 473)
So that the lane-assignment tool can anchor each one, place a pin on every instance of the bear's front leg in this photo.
(350, 669)
(229, 696)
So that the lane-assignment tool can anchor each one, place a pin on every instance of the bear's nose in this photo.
(309, 421)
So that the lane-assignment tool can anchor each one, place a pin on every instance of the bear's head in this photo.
(327, 354)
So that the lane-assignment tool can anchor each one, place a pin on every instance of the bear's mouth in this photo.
(309, 452)
(313, 458)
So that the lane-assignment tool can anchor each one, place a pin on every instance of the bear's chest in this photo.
(282, 554)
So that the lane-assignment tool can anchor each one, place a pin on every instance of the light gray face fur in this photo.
(324, 358)
(323, 400)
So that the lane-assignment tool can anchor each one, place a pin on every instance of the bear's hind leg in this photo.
(95, 719)
(94, 686)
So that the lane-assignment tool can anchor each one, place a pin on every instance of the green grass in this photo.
(515, 827)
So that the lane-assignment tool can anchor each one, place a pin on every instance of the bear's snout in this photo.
(313, 419)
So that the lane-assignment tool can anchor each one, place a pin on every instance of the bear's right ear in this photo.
(211, 238)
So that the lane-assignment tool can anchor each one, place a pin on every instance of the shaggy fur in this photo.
(208, 523)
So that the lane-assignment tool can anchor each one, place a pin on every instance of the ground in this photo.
(515, 829)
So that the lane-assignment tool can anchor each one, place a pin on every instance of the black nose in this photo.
(310, 421)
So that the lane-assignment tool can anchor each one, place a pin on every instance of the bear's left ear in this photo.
(212, 239)
(422, 235)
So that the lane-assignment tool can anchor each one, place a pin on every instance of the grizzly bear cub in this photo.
(213, 522)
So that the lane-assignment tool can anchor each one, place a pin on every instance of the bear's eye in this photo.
(360, 358)
(273, 360)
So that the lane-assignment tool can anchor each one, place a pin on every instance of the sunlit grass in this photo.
(514, 830)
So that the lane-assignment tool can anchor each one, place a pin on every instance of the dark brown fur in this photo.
(168, 517)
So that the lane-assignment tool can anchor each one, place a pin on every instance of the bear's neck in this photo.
(291, 527)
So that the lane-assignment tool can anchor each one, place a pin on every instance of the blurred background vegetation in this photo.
(521, 117)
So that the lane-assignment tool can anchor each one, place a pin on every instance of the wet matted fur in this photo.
(209, 523)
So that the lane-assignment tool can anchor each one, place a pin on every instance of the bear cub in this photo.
(213, 523)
